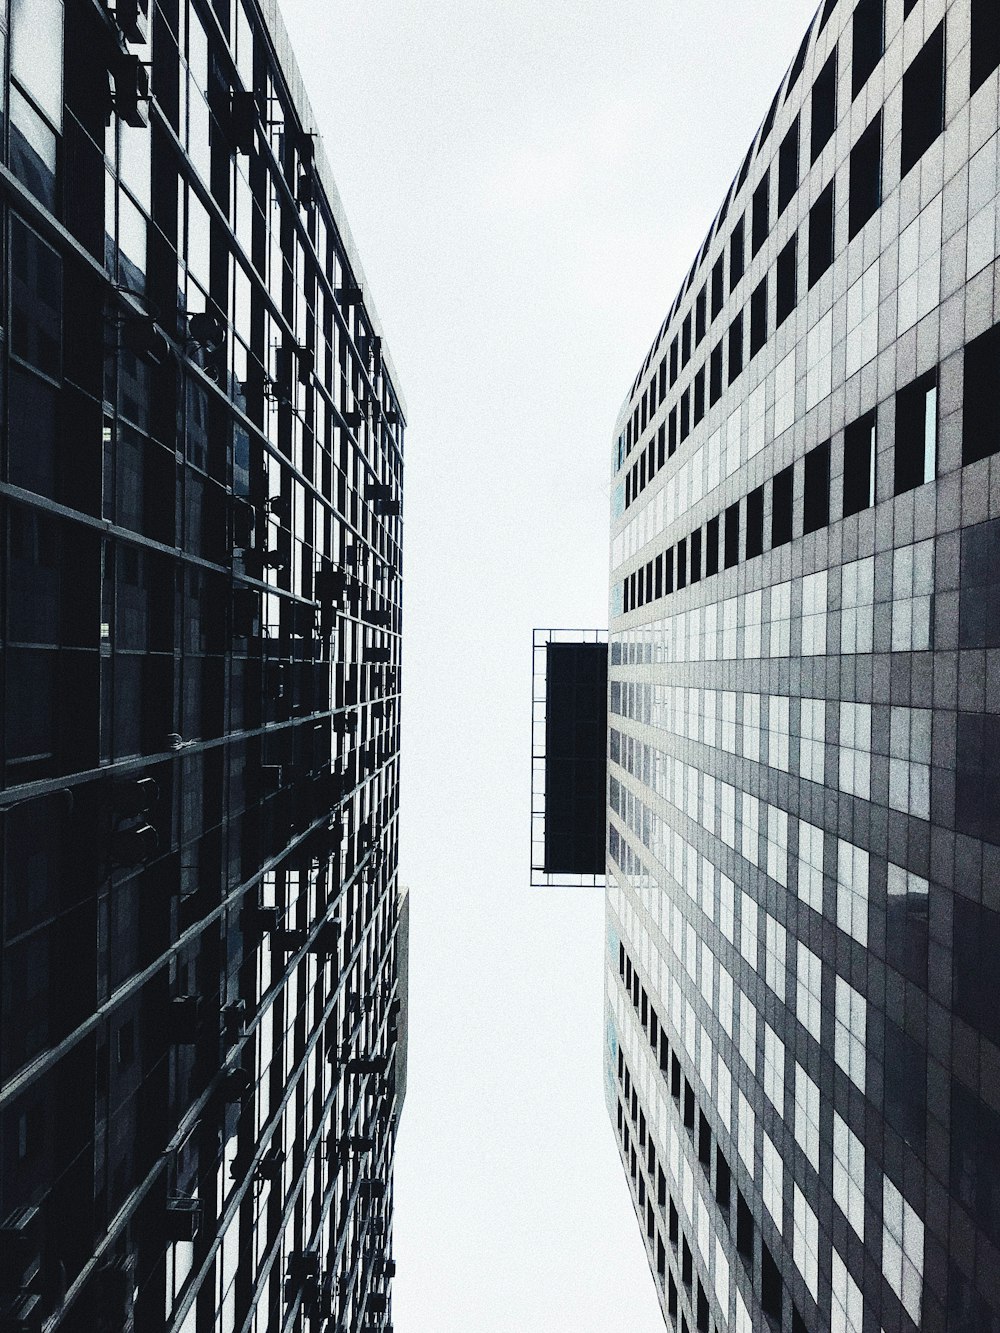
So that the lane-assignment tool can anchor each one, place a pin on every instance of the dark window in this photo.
(736, 347)
(798, 62)
(732, 536)
(700, 304)
(755, 522)
(908, 6)
(770, 1285)
(979, 595)
(915, 449)
(672, 431)
(923, 100)
(905, 1085)
(821, 235)
(696, 556)
(859, 464)
(711, 547)
(975, 1167)
(718, 285)
(699, 395)
(658, 586)
(760, 223)
(816, 488)
(824, 107)
(869, 41)
(781, 507)
(715, 374)
(788, 167)
(36, 300)
(758, 317)
(673, 362)
(682, 577)
(985, 42)
(663, 379)
(981, 398)
(976, 962)
(661, 435)
(668, 571)
(977, 811)
(744, 1227)
(686, 339)
(828, 9)
(786, 281)
(768, 124)
(685, 414)
(736, 254)
(866, 177)
(723, 1179)
(907, 902)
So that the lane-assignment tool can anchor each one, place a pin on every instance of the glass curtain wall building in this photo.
(803, 921)
(203, 933)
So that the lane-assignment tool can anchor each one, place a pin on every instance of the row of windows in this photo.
(922, 120)
(718, 544)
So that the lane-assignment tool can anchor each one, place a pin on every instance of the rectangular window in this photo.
(760, 214)
(915, 449)
(816, 488)
(907, 903)
(736, 348)
(718, 285)
(786, 281)
(985, 42)
(658, 576)
(758, 317)
(905, 1086)
(699, 395)
(699, 315)
(821, 235)
(696, 556)
(686, 339)
(869, 41)
(36, 317)
(781, 507)
(866, 177)
(668, 571)
(736, 254)
(685, 414)
(755, 523)
(672, 432)
(682, 564)
(732, 535)
(661, 436)
(715, 375)
(673, 362)
(788, 167)
(923, 100)
(824, 107)
(981, 397)
(711, 547)
(859, 464)
(663, 379)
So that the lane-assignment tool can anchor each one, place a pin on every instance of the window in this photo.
(977, 776)
(686, 340)
(810, 888)
(846, 1304)
(912, 593)
(857, 609)
(758, 317)
(814, 597)
(715, 375)
(699, 316)
(915, 449)
(850, 1032)
(821, 235)
(788, 166)
(718, 285)
(786, 281)
(772, 1179)
(672, 432)
(673, 362)
(902, 1249)
(981, 397)
(736, 254)
(859, 464)
(696, 556)
(712, 547)
(699, 395)
(824, 107)
(975, 1162)
(812, 747)
(923, 100)
(736, 349)
(685, 414)
(855, 749)
(781, 507)
(849, 1174)
(732, 535)
(755, 523)
(760, 223)
(905, 1086)
(808, 1006)
(816, 489)
(805, 1242)
(979, 595)
(866, 177)
(852, 890)
(682, 563)
(985, 42)
(36, 54)
(36, 301)
(807, 1115)
(869, 41)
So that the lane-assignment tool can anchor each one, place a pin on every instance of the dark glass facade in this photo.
(200, 517)
(802, 1051)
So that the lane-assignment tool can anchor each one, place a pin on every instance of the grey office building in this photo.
(803, 875)
(202, 957)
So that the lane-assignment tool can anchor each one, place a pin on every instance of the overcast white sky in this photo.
(527, 181)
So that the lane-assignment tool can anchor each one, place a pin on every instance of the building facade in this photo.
(203, 935)
(803, 914)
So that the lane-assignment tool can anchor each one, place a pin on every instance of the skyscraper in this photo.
(203, 935)
(803, 1042)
